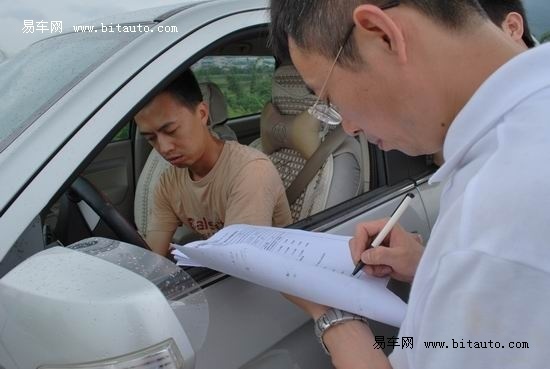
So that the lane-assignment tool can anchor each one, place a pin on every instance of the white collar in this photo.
(520, 77)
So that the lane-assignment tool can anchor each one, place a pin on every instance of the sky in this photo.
(70, 12)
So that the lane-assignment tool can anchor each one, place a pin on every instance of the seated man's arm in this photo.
(163, 221)
(258, 197)
(159, 241)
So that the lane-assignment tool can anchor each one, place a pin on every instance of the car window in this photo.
(245, 81)
(32, 81)
(538, 16)
(123, 134)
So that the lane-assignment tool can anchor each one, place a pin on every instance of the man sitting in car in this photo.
(211, 183)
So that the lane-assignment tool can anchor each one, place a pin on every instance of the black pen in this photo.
(388, 227)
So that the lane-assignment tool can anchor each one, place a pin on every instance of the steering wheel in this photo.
(82, 189)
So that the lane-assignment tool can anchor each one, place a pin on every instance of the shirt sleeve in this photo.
(254, 194)
(483, 312)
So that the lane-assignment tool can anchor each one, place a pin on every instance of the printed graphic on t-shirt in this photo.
(205, 226)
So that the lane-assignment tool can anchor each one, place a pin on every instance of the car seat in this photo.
(290, 136)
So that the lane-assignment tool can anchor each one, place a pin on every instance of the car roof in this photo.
(156, 14)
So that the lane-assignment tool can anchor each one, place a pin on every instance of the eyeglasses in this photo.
(325, 111)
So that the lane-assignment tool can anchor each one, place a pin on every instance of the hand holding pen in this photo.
(399, 260)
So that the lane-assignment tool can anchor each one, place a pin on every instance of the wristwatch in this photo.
(331, 318)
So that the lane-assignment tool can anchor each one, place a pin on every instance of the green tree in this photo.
(233, 84)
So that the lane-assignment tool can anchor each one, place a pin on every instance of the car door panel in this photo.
(248, 323)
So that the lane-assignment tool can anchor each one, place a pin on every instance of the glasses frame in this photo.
(325, 111)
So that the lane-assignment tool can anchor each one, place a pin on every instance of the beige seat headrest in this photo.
(217, 104)
(299, 132)
(285, 123)
(290, 94)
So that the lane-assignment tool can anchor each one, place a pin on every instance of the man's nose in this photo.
(165, 145)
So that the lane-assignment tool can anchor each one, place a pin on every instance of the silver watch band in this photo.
(331, 318)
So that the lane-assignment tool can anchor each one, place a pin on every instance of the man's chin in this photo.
(381, 145)
(385, 146)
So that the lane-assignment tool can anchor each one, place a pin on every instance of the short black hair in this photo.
(497, 10)
(322, 25)
(185, 89)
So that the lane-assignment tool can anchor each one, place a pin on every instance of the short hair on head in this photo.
(185, 89)
(322, 25)
(497, 10)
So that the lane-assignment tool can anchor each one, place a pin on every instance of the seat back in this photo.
(217, 105)
(155, 164)
(290, 136)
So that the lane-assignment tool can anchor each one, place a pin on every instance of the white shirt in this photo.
(485, 273)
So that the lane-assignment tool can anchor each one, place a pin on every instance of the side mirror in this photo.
(102, 303)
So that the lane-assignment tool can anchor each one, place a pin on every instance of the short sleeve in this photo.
(256, 195)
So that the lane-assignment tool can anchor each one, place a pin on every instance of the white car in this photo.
(66, 107)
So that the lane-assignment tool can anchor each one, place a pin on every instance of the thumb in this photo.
(377, 256)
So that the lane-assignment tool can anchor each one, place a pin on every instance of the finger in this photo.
(418, 238)
(381, 271)
(369, 269)
(378, 256)
(354, 250)
(364, 234)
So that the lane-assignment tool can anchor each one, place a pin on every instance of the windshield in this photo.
(32, 81)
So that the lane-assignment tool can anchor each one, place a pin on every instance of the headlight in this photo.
(164, 355)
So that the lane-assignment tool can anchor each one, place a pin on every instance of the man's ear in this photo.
(203, 111)
(375, 26)
(513, 26)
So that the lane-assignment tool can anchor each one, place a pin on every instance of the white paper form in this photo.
(314, 266)
(182, 259)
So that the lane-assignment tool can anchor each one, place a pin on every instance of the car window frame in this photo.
(41, 190)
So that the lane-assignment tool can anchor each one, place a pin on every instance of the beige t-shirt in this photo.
(242, 187)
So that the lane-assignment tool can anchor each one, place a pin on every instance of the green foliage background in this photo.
(245, 82)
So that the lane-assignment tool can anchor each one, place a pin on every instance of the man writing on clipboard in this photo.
(420, 77)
